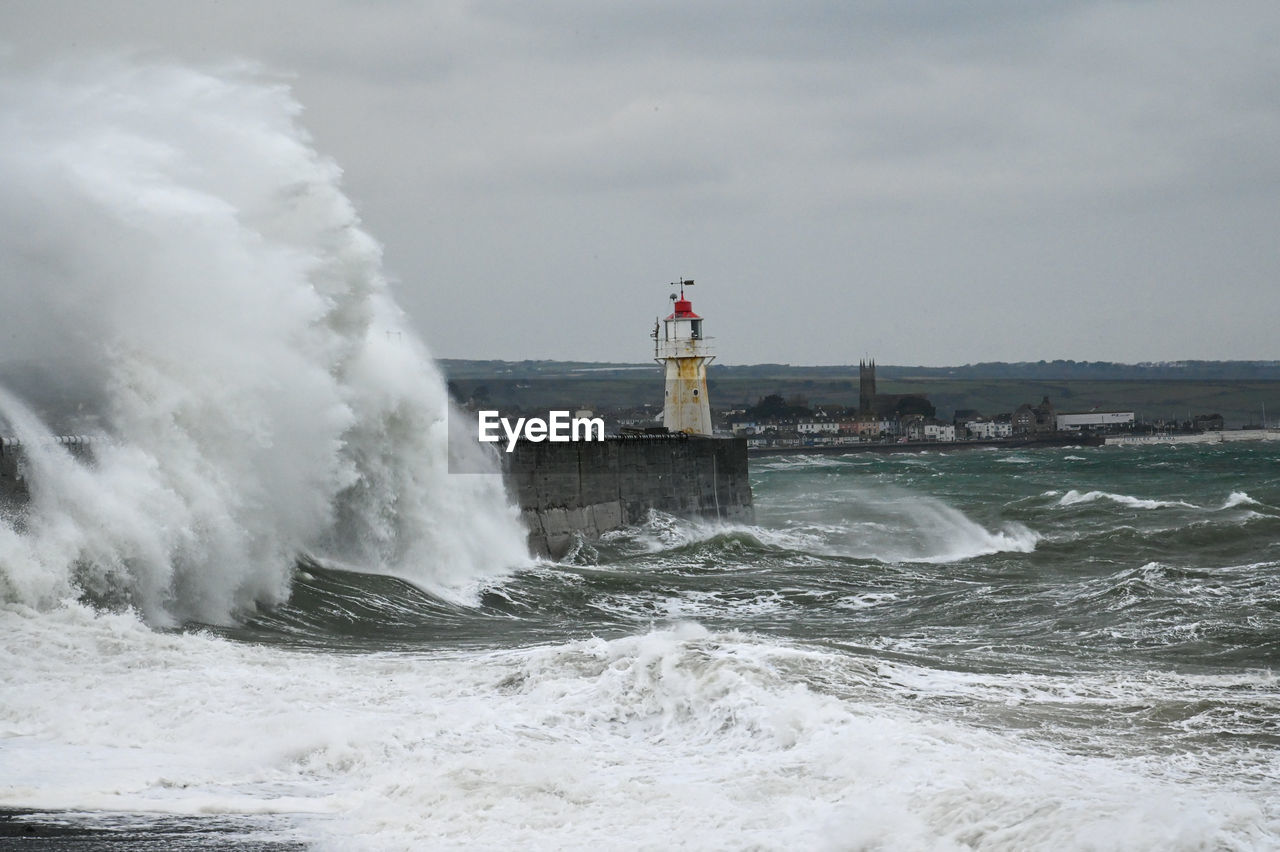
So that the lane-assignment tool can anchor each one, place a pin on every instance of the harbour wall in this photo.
(580, 489)
(12, 484)
(576, 489)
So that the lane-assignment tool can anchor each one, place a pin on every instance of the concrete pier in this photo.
(13, 475)
(573, 488)
(591, 487)
(12, 484)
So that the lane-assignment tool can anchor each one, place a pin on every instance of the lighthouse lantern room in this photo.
(679, 344)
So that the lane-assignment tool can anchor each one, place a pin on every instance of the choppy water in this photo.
(1034, 650)
(1054, 649)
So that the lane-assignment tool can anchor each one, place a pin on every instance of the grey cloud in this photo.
(933, 180)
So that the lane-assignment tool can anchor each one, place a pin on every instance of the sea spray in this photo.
(890, 524)
(171, 240)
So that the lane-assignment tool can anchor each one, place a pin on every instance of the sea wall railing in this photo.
(13, 444)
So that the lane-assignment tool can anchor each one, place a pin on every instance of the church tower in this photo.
(678, 342)
(866, 386)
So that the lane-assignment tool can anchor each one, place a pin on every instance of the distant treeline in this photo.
(1033, 370)
(1060, 369)
(1243, 392)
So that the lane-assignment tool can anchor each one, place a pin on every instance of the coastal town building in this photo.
(818, 427)
(868, 426)
(1075, 421)
(1030, 419)
(789, 421)
(980, 429)
(1208, 423)
(866, 386)
(1023, 420)
(872, 402)
(936, 430)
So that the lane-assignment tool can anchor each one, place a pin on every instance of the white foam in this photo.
(183, 249)
(806, 461)
(1014, 460)
(887, 524)
(894, 525)
(866, 600)
(1074, 497)
(672, 736)
(1239, 498)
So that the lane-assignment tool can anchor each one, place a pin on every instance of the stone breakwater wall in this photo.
(585, 488)
(573, 489)
(12, 485)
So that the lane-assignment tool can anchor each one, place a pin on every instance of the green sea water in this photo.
(1039, 649)
(1031, 560)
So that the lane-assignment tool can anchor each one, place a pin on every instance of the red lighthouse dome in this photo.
(684, 310)
(683, 307)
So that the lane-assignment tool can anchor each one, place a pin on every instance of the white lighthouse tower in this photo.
(678, 342)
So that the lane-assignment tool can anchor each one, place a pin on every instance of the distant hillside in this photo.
(1034, 370)
(1238, 390)
(1097, 370)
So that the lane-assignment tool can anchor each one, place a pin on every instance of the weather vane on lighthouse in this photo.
(678, 343)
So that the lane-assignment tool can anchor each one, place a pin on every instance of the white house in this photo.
(937, 431)
(817, 427)
(984, 430)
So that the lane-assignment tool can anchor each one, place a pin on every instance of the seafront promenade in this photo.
(925, 446)
(1219, 437)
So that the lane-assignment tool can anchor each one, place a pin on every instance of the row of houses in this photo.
(913, 428)
(1025, 421)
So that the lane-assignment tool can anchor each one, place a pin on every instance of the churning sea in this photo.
(999, 650)
(1051, 649)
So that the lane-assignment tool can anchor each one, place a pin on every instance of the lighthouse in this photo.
(679, 344)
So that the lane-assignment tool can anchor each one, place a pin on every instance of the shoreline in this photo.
(1218, 437)
(927, 446)
(1222, 437)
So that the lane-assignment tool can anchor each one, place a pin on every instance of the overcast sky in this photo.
(922, 182)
